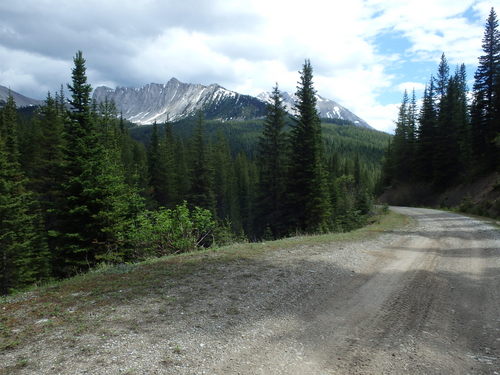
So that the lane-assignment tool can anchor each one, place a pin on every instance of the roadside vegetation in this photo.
(447, 152)
(67, 304)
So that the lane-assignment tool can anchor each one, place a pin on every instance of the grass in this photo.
(68, 304)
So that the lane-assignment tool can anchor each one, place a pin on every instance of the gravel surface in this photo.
(424, 299)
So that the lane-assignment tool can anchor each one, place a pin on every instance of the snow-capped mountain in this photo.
(327, 108)
(21, 100)
(176, 100)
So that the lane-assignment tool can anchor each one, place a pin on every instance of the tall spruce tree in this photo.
(96, 200)
(485, 110)
(426, 135)
(272, 162)
(462, 118)
(308, 201)
(447, 157)
(401, 144)
(412, 135)
(442, 77)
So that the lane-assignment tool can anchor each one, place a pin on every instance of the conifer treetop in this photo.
(80, 89)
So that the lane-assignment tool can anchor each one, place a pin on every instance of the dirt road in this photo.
(424, 299)
(428, 304)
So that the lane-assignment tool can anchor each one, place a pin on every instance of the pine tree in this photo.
(225, 186)
(462, 117)
(168, 155)
(246, 182)
(107, 122)
(272, 162)
(138, 170)
(387, 173)
(96, 201)
(357, 171)
(201, 192)
(308, 201)
(401, 144)
(8, 127)
(412, 135)
(182, 173)
(443, 76)
(134, 159)
(447, 168)
(157, 169)
(24, 257)
(48, 166)
(426, 135)
(485, 109)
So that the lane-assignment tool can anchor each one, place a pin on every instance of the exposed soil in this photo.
(424, 299)
(479, 197)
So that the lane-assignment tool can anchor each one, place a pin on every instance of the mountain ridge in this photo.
(21, 100)
(176, 100)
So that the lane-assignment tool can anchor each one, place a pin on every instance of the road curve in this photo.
(428, 304)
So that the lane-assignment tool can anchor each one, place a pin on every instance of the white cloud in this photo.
(31, 74)
(434, 26)
(244, 45)
(382, 117)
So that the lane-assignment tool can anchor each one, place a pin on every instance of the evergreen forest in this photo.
(80, 186)
(453, 137)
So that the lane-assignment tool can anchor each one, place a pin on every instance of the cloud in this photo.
(244, 45)
(434, 26)
(32, 74)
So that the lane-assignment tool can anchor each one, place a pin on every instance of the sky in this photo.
(364, 53)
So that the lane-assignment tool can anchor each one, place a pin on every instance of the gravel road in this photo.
(424, 299)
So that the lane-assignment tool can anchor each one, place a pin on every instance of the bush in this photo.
(170, 231)
(224, 235)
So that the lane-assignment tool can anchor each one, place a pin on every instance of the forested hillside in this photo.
(342, 139)
(451, 144)
(76, 189)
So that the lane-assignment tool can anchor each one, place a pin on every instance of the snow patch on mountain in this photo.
(176, 100)
(327, 108)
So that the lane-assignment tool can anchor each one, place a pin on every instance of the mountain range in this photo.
(176, 100)
(21, 100)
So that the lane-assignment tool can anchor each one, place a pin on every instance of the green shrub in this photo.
(170, 231)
